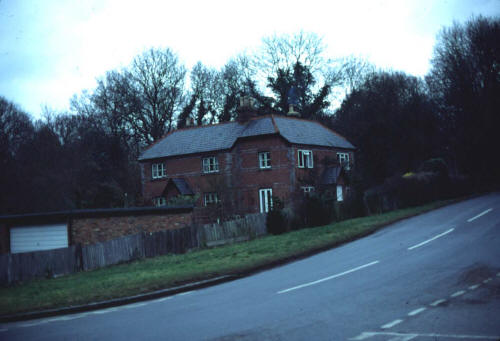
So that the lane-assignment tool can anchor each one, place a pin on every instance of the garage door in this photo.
(36, 238)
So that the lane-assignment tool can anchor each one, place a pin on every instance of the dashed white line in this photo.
(3, 330)
(437, 302)
(430, 240)
(327, 278)
(391, 324)
(417, 311)
(487, 280)
(474, 287)
(410, 336)
(480, 215)
(458, 293)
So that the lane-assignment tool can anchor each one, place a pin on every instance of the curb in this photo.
(118, 301)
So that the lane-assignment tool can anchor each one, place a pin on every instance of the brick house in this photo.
(236, 168)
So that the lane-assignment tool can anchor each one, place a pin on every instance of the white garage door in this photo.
(36, 238)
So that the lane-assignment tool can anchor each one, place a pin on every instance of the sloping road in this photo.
(431, 277)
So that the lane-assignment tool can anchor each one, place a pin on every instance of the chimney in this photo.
(292, 101)
(247, 109)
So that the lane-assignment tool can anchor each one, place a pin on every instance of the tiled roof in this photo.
(223, 136)
(182, 186)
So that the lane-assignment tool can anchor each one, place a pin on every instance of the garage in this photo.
(38, 237)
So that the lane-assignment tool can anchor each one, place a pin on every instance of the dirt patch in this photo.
(476, 274)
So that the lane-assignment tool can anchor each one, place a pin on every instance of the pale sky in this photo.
(53, 49)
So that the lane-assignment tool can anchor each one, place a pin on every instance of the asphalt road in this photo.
(431, 277)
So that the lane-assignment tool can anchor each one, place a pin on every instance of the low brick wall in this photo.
(100, 225)
(100, 229)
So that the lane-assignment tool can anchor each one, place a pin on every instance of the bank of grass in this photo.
(167, 271)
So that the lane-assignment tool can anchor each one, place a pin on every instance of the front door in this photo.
(266, 200)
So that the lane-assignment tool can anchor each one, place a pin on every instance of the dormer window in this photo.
(305, 158)
(210, 165)
(158, 170)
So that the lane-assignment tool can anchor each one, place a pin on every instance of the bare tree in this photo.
(285, 51)
(348, 72)
(157, 80)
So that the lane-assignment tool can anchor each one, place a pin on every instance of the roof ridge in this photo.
(157, 141)
(276, 129)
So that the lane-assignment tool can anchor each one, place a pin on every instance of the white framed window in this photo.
(305, 158)
(307, 189)
(265, 160)
(210, 199)
(266, 199)
(343, 159)
(210, 165)
(159, 201)
(158, 170)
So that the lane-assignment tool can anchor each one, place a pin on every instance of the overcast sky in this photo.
(52, 49)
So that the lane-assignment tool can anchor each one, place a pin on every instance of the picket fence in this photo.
(52, 263)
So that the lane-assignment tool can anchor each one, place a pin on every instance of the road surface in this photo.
(431, 277)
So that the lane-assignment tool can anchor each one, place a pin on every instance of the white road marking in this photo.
(430, 240)
(416, 311)
(487, 280)
(403, 338)
(67, 317)
(3, 330)
(438, 302)
(135, 305)
(409, 336)
(185, 293)
(498, 274)
(164, 299)
(105, 311)
(327, 278)
(391, 324)
(480, 215)
(458, 293)
(474, 287)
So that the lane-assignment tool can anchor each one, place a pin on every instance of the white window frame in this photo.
(265, 199)
(160, 201)
(343, 159)
(305, 158)
(265, 160)
(308, 189)
(210, 198)
(210, 164)
(158, 170)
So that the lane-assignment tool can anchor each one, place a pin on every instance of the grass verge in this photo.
(166, 271)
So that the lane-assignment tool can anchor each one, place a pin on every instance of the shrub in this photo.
(275, 220)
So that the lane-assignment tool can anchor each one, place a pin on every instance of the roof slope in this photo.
(223, 136)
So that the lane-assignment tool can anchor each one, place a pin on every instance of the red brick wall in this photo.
(99, 229)
(249, 178)
(187, 167)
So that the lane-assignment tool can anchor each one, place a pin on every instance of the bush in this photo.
(275, 220)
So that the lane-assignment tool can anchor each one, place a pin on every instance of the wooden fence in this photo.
(29, 265)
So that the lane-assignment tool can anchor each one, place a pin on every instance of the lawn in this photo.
(167, 271)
